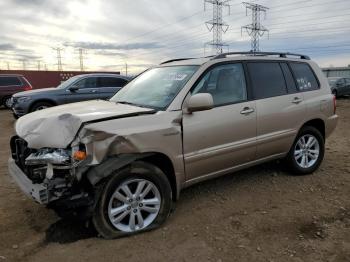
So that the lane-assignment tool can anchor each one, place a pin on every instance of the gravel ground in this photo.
(260, 214)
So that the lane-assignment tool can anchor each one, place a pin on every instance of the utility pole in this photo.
(59, 57)
(255, 30)
(126, 69)
(217, 25)
(8, 65)
(39, 65)
(82, 52)
(23, 64)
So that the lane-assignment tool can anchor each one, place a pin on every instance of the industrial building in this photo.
(337, 71)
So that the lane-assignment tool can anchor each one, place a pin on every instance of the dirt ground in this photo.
(260, 214)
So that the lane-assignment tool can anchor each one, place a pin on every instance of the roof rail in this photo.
(175, 60)
(283, 55)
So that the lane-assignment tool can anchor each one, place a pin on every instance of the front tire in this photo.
(40, 106)
(7, 102)
(134, 199)
(307, 151)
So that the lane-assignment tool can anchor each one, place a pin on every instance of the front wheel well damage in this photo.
(102, 171)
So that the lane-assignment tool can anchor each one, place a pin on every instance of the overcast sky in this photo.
(145, 32)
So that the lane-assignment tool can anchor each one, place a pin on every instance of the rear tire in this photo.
(307, 152)
(115, 208)
(40, 106)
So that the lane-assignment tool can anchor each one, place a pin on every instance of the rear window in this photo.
(9, 81)
(304, 76)
(267, 79)
(112, 82)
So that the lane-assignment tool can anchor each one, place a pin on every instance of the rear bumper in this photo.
(38, 192)
(331, 123)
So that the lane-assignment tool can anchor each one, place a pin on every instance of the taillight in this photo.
(334, 104)
(27, 87)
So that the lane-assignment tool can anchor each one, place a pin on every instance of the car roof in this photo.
(13, 75)
(103, 74)
(238, 56)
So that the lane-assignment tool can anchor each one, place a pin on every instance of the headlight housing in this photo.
(23, 99)
(49, 155)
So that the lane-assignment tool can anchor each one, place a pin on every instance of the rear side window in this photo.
(112, 82)
(9, 81)
(304, 76)
(267, 79)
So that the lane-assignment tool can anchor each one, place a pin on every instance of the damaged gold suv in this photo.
(122, 163)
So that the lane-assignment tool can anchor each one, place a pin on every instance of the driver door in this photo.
(217, 140)
(84, 89)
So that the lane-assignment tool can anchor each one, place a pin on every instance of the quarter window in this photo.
(226, 83)
(267, 79)
(304, 76)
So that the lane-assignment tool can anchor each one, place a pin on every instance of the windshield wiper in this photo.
(132, 104)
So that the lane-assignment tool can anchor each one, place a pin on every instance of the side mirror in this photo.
(73, 88)
(200, 102)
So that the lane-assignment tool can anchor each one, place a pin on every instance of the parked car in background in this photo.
(340, 86)
(11, 84)
(76, 89)
(123, 162)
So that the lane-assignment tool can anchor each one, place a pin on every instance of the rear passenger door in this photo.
(279, 105)
(109, 86)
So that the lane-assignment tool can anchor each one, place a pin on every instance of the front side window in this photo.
(9, 81)
(155, 88)
(226, 83)
(267, 79)
(304, 76)
(89, 82)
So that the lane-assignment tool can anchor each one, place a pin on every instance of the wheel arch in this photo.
(111, 164)
(317, 123)
(44, 100)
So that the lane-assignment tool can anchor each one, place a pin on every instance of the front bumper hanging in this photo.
(38, 192)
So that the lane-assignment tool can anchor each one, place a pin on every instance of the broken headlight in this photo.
(49, 155)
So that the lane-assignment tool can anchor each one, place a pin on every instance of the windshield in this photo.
(68, 82)
(156, 88)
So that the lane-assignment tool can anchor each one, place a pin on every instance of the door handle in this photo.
(247, 111)
(297, 100)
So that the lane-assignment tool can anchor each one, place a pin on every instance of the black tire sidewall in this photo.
(138, 170)
(293, 165)
(36, 105)
(4, 102)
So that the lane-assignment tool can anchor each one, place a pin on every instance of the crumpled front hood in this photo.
(56, 127)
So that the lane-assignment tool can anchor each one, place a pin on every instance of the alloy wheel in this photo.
(307, 151)
(134, 205)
